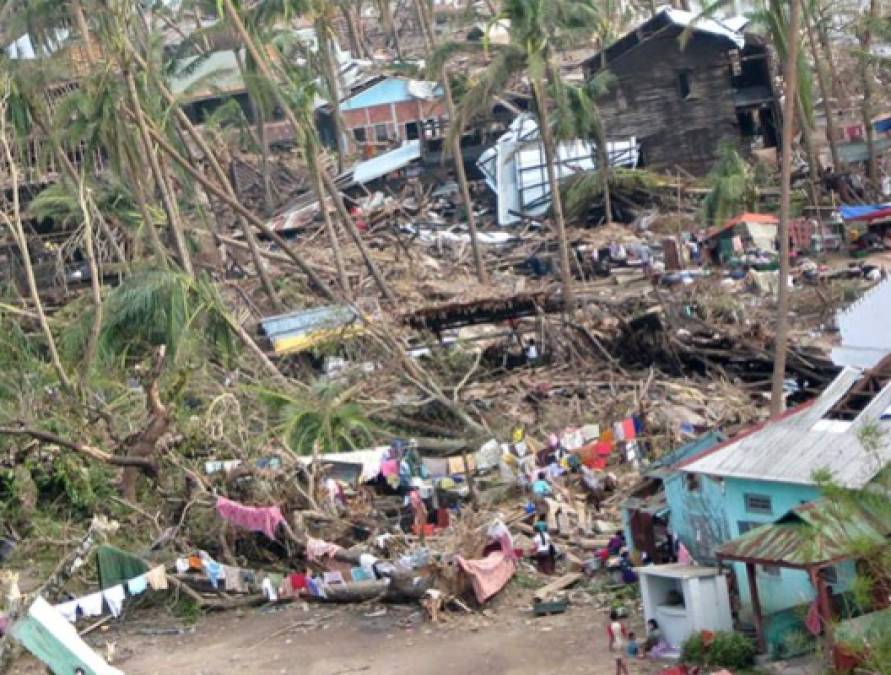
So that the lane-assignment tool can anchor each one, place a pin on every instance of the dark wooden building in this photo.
(682, 86)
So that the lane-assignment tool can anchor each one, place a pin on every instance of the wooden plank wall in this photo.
(673, 130)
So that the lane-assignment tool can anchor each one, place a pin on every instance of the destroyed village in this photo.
(445, 337)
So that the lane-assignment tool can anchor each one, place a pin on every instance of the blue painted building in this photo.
(761, 474)
(645, 513)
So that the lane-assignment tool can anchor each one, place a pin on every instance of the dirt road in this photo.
(325, 641)
(373, 640)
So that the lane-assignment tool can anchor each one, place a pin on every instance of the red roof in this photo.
(764, 218)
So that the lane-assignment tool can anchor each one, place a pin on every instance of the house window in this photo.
(685, 84)
(758, 504)
(830, 575)
(359, 134)
(770, 570)
(744, 526)
(693, 482)
(381, 133)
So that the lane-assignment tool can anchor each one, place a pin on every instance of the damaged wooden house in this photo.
(683, 85)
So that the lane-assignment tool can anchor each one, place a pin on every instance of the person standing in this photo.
(618, 634)
(545, 555)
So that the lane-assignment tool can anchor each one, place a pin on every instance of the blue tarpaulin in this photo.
(882, 125)
(865, 212)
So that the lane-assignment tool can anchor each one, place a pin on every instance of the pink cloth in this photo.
(257, 519)
(684, 557)
(490, 574)
(390, 467)
(316, 549)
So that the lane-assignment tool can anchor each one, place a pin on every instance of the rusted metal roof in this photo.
(813, 534)
(756, 218)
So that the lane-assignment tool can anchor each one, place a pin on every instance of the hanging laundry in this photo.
(316, 549)
(269, 590)
(618, 431)
(182, 565)
(233, 580)
(114, 598)
(157, 578)
(137, 585)
(248, 578)
(629, 429)
(333, 578)
(195, 563)
(638, 425)
(116, 566)
(68, 610)
(212, 569)
(603, 449)
(607, 436)
(91, 605)
(359, 574)
(257, 519)
(298, 581)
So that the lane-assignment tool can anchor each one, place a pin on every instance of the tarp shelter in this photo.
(48, 635)
(752, 229)
(865, 212)
(810, 537)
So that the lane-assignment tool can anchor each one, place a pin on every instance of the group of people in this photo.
(624, 644)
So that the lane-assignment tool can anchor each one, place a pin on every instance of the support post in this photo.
(756, 606)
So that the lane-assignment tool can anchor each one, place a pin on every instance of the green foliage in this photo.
(732, 187)
(156, 307)
(726, 650)
(323, 414)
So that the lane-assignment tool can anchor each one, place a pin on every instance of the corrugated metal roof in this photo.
(791, 449)
(679, 571)
(401, 157)
(865, 328)
(392, 90)
(818, 532)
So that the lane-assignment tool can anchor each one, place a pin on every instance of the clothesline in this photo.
(114, 596)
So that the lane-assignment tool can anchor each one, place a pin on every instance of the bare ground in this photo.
(325, 640)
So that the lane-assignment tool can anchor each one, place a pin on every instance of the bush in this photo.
(725, 650)
(693, 650)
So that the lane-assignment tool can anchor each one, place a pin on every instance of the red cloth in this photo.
(257, 519)
(603, 448)
(598, 464)
(298, 581)
(628, 429)
(813, 621)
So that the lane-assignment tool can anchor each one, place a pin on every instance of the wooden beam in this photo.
(565, 581)
(756, 607)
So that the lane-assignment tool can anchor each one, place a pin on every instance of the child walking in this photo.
(618, 636)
